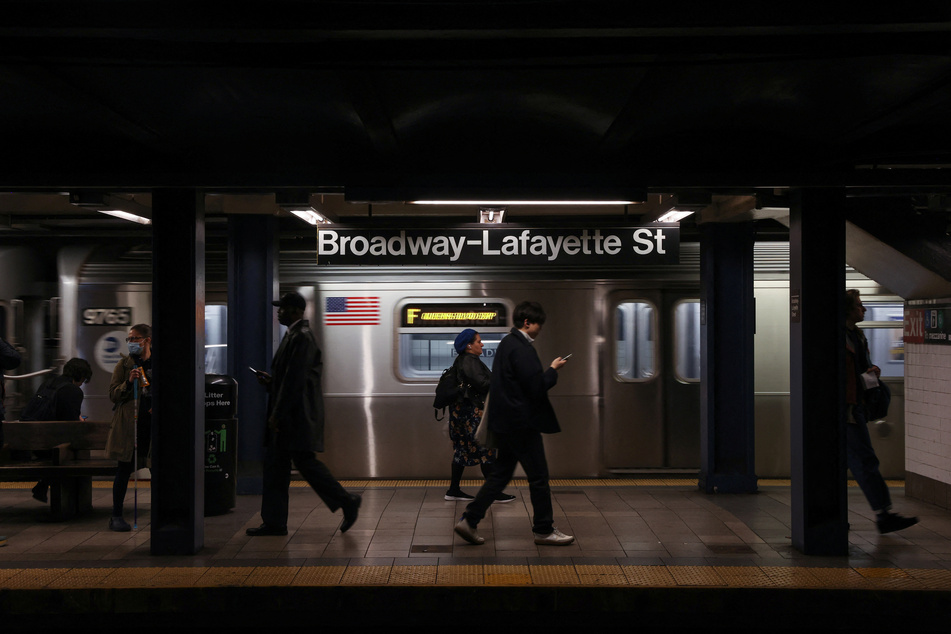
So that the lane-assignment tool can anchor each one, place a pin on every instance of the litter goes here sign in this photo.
(612, 246)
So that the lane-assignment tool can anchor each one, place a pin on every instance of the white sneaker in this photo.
(555, 538)
(468, 533)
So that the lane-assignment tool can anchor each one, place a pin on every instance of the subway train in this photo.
(628, 400)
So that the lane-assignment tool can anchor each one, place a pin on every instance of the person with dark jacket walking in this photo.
(861, 458)
(519, 413)
(295, 425)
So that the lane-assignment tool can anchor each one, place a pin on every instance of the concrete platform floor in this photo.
(659, 552)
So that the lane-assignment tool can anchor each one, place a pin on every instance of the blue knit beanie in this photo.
(463, 339)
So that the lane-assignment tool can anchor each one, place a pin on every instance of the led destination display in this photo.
(614, 246)
(458, 314)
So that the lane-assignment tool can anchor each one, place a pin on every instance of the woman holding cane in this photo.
(131, 430)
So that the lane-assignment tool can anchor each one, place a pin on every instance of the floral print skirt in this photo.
(464, 419)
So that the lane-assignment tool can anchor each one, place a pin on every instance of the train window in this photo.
(635, 341)
(883, 327)
(426, 355)
(687, 341)
(216, 339)
(426, 329)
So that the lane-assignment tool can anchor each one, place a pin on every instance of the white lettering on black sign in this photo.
(656, 244)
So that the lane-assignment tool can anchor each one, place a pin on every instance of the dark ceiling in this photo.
(395, 100)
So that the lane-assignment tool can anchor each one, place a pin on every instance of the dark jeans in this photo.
(525, 448)
(863, 462)
(277, 480)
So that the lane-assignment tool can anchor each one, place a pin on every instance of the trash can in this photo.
(221, 443)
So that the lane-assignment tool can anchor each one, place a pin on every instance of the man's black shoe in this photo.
(350, 512)
(891, 522)
(264, 530)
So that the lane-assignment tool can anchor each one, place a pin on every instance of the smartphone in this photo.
(566, 357)
(253, 370)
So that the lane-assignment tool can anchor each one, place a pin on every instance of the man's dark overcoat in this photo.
(295, 398)
(519, 390)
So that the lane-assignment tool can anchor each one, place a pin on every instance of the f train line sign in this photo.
(608, 246)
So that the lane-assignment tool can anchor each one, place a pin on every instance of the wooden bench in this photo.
(70, 470)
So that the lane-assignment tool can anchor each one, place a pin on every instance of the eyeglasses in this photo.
(130, 339)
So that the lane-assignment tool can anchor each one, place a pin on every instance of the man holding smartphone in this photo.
(519, 413)
(295, 424)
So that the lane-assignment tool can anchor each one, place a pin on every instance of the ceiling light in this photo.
(674, 215)
(125, 215)
(491, 215)
(309, 216)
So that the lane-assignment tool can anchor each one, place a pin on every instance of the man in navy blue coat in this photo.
(519, 413)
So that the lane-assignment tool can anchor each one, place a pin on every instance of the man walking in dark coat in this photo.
(519, 413)
(860, 454)
(295, 424)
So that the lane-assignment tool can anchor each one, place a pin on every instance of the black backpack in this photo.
(449, 389)
(43, 404)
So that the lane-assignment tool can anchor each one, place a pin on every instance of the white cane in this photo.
(135, 455)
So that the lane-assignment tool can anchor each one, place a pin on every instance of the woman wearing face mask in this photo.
(131, 381)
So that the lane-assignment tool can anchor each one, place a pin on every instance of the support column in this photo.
(252, 285)
(178, 367)
(817, 370)
(727, 325)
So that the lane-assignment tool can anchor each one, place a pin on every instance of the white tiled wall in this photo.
(928, 411)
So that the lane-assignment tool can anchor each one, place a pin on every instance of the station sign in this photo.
(930, 324)
(453, 314)
(657, 243)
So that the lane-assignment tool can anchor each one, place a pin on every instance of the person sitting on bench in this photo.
(59, 398)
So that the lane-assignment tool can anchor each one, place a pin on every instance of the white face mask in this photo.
(135, 347)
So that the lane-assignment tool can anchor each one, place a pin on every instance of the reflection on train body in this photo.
(628, 400)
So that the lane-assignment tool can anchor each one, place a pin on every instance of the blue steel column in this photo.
(252, 285)
(178, 367)
(727, 324)
(817, 361)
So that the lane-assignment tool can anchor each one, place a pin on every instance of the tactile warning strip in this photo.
(319, 576)
(554, 575)
(507, 576)
(480, 574)
(601, 575)
(460, 575)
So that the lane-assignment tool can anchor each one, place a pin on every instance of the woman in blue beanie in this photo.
(465, 414)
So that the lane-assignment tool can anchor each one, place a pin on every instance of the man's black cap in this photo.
(293, 299)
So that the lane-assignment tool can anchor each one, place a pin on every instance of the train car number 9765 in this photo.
(107, 316)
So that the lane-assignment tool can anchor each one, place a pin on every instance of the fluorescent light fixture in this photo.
(674, 215)
(491, 215)
(503, 203)
(309, 216)
(125, 215)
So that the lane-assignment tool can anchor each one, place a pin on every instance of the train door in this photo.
(651, 380)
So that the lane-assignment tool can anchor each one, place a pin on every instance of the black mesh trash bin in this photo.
(221, 443)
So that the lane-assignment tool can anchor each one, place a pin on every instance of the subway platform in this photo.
(650, 554)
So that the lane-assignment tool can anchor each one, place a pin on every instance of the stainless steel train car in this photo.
(628, 401)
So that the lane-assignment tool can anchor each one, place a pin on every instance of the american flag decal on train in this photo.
(352, 311)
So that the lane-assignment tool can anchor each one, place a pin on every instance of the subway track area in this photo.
(649, 553)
